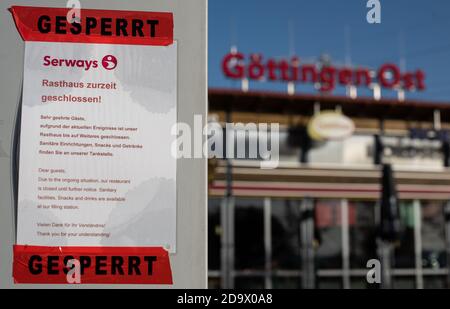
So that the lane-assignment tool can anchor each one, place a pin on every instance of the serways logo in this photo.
(109, 62)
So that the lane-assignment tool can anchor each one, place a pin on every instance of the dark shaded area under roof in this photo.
(303, 104)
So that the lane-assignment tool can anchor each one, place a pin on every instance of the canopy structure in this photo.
(304, 105)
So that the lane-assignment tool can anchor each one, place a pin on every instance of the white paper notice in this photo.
(95, 152)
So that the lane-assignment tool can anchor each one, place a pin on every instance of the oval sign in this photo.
(330, 126)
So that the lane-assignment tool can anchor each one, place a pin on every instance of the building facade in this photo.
(313, 221)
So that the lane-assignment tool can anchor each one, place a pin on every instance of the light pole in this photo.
(390, 228)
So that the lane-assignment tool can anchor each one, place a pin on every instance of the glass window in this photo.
(249, 234)
(214, 233)
(285, 234)
(362, 231)
(286, 282)
(404, 252)
(329, 283)
(361, 283)
(249, 283)
(435, 282)
(329, 235)
(404, 282)
(433, 235)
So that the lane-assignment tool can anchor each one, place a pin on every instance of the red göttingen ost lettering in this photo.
(238, 66)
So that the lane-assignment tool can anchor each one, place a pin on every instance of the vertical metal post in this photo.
(447, 239)
(268, 242)
(224, 272)
(227, 239)
(385, 252)
(351, 92)
(446, 152)
(437, 120)
(345, 230)
(231, 251)
(227, 218)
(389, 224)
(401, 95)
(418, 243)
(377, 150)
(307, 244)
(291, 88)
(316, 108)
(376, 92)
(245, 85)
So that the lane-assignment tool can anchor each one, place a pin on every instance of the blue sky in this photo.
(417, 29)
